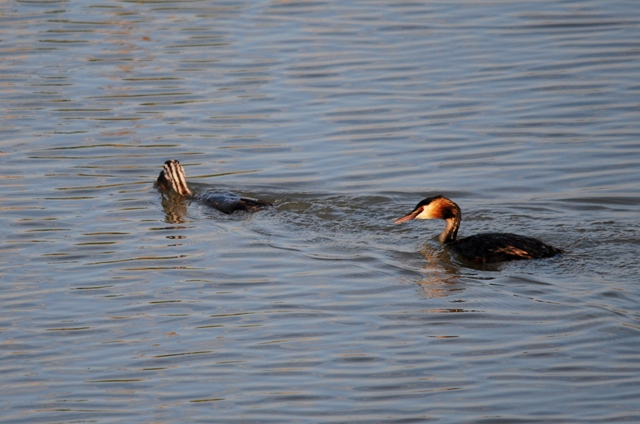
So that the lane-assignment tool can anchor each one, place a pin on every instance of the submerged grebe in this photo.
(172, 177)
(483, 248)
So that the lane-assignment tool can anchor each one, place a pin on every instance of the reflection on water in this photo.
(174, 206)
(122, 303)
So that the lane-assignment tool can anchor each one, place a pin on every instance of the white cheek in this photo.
(427, 212)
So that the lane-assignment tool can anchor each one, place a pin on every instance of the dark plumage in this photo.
(173, 178)
(482, 248)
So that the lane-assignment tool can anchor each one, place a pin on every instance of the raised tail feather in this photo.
(172, 177)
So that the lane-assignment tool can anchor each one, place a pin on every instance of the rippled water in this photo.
(118, 306)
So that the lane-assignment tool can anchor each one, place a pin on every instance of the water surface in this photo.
(119, 307)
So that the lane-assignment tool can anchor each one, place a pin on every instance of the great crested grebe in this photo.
(172, 177)
(483, 248)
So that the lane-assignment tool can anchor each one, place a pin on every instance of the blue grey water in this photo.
(119, 307)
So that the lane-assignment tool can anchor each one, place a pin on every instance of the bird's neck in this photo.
(451, 230)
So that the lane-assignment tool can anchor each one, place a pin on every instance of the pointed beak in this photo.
(408, 217)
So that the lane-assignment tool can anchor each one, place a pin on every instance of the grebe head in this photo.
(172, 177)
(437, 207)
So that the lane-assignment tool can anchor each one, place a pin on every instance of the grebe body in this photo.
(173, 178)
(482, 248)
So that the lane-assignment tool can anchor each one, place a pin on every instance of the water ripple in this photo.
(344, 115)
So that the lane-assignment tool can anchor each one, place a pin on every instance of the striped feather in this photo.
(172, 177)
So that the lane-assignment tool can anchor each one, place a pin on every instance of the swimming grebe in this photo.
(172, 177)
(483, 248)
